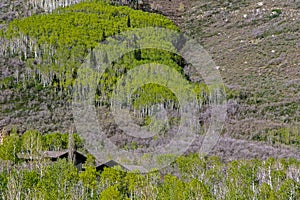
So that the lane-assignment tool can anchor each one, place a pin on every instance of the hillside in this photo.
(256, 46)
(97, 105)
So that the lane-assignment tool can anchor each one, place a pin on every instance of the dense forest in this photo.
(41, 52)
(189, 177)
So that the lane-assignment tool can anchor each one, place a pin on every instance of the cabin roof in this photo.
(128, 168)
(54, 154)
(109, 164)
(49, 154)
(28, 156)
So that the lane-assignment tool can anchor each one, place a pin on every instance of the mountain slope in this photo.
(256, 44)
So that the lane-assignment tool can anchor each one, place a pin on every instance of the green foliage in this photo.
(196, 178)
(111, 192)
(197, 189)
(165, 159)
(233, 94)
(58, 141)
(284, 135)
(58, 180)
(207, 178)
(88, 177)
(152, 93)
(191, 166)
(31, 142)
(60, 41)
(173, 188)
(275, 13)
(289, 189)
(10, 147)
(55, 45)
(90, 160)
(30, 179)
(7, 82)
(266, 192)
(148, 94)
(3, 182)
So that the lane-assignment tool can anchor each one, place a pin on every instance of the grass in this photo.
(264, 71)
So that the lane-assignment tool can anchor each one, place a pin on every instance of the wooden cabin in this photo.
(78, 158)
